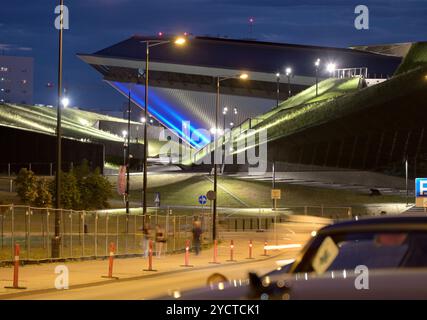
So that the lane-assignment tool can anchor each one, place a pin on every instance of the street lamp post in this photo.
(219, 79)
(149, 44)
(288, 74)
(277, 89)
(317, 64)
(57, 238)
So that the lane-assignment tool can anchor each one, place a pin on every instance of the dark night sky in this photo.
(26, 28)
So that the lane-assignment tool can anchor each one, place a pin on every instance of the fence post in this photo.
(51, 169)
(10, 185)
(231, 251)
(117, 232)
(8, 169)
(63, 231)
(250, 250)
(71, 233)
(29, 166)
(174, 233)
(30, 212)
(84, 233)
(110, 262)
(106, 233)
(321, 209)
(96, 234)
(150, 257)
(215, 253)
(12, 223)
(187, 255)
(16, 269)
(305, 210)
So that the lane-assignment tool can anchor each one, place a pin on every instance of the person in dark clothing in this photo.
(197, 235)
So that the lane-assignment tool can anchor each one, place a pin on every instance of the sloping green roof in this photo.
(416, 57)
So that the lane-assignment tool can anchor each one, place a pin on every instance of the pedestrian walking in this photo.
(160, 240)
(197, 235)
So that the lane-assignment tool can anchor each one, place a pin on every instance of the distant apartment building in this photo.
(16, 79)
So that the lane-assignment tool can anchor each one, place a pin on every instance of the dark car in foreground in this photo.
(371, 258)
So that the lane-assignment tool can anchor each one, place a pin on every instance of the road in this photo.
(160, 285)
(85, 281)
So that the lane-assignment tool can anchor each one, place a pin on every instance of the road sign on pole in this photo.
(157, 199)
(203, 199)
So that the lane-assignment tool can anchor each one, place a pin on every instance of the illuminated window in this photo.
(24, 81)
(4, 69)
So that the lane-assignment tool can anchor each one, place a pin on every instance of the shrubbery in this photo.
(81, 189)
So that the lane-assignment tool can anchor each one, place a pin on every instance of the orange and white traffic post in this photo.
(265, 248)
(250, 250)
(16, 269)
(111, 262)
(231, 251)
(215, 253)
(150, 257)
(187, 255)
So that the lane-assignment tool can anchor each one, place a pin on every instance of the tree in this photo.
(44, 197)
(95, 191)
(26, 186)
(70, 193)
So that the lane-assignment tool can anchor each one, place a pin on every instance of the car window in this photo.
(375, 250)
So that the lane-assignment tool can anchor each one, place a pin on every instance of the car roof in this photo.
(387, 222)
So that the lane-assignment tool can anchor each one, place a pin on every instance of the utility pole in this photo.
(57, 238)
(128, 163)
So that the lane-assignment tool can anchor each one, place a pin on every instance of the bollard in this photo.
(265, 249)
(110, 262)
(187, 255)
(16, 270)
(250, 250)
(215, 253)
(150, 257)
(231, 251)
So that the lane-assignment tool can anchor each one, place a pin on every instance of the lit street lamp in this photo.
(56, 241)
(277, 89)
(149, 44)
(219, 79)
(288, 72)
(331, 67)
(317, 64)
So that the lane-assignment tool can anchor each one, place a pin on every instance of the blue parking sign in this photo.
(421, 187)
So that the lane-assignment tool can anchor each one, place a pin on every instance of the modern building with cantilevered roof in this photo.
(182, 79)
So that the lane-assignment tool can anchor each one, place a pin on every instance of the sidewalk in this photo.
(42, 277)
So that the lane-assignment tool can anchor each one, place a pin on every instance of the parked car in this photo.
(372, 258)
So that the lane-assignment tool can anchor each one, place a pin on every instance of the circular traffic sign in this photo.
(203, 199)
(211, 195)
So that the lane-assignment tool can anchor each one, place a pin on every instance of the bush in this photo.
(95, 191)
(26, 186)
(32, 190)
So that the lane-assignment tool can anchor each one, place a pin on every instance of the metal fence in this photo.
(87, 234)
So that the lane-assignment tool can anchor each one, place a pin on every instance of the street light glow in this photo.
(244, 76)
(317, 63)
(143, 120)
(278, 75)
(124, 133)
(235, 110)
(331, 67)
(180, 41)
(288, 71)
(65, 102)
